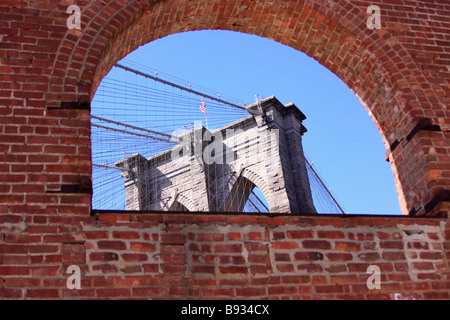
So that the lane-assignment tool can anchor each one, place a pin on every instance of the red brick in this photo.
(284, 245)
(95, 235)
(135, 268)
(203, 269)
(134, 257)
(233, 270)
(316, 244)
(369, 256)
(273, 221)
(180, 291)
(304, 222)
(250, 292)
(210, 219)
(149, 292)
(330, 234)
(143, 246)
(125, 235)
(210, 237)
(219, 292)
(105, 268)
(103, 256)
(393, 255)
(173, 269)
(282, 257)
(431, 255)
(168, 249)
(285, 267)
(110, 244)
(200, 247)
(300, 234)
(348, 246)
(359, 221)
(22, 283)
(258, 258)
(42, 293)
(339, 256)
(295, 279)
(79, 293)
(113, 293)
(254, 236)
(228, 248)
(73, 248)
(173, 239)
(423, 265)
(310, 268)
(307, 256)
(234, 236)
(282, 290)
(14, 271)
(391, 244)
(257, 247)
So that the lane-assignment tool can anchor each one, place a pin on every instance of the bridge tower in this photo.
(215, 171)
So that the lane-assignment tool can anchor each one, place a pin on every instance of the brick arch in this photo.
(393, 83)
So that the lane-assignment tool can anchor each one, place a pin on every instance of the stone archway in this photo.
(379, 66)
(240, 186)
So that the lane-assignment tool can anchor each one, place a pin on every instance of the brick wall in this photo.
(202, 256)
(48, 76)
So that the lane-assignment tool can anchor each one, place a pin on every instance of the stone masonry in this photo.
(217, 170)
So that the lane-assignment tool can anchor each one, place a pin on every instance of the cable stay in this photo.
(108, 167)
(167, 139)
(133, 127)
(264, 207)
(251, 111)
(322, 198)
(132, 115)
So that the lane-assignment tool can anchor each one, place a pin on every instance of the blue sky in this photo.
(342, 140)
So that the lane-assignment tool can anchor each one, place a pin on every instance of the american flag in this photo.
(203, 107)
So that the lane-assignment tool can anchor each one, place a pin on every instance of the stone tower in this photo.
(215, 171)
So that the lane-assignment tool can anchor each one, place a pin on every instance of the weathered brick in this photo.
(228, 248)
(110, 244)
(173, 239)
(284, 245)
(316, 244)
(42, 148)
(143, 246)
(300, 234)
(348, 246)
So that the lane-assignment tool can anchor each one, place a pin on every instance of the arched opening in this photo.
(245, 196)
(303, 81)
(177, 206)
(334, 34)
(257, 202)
